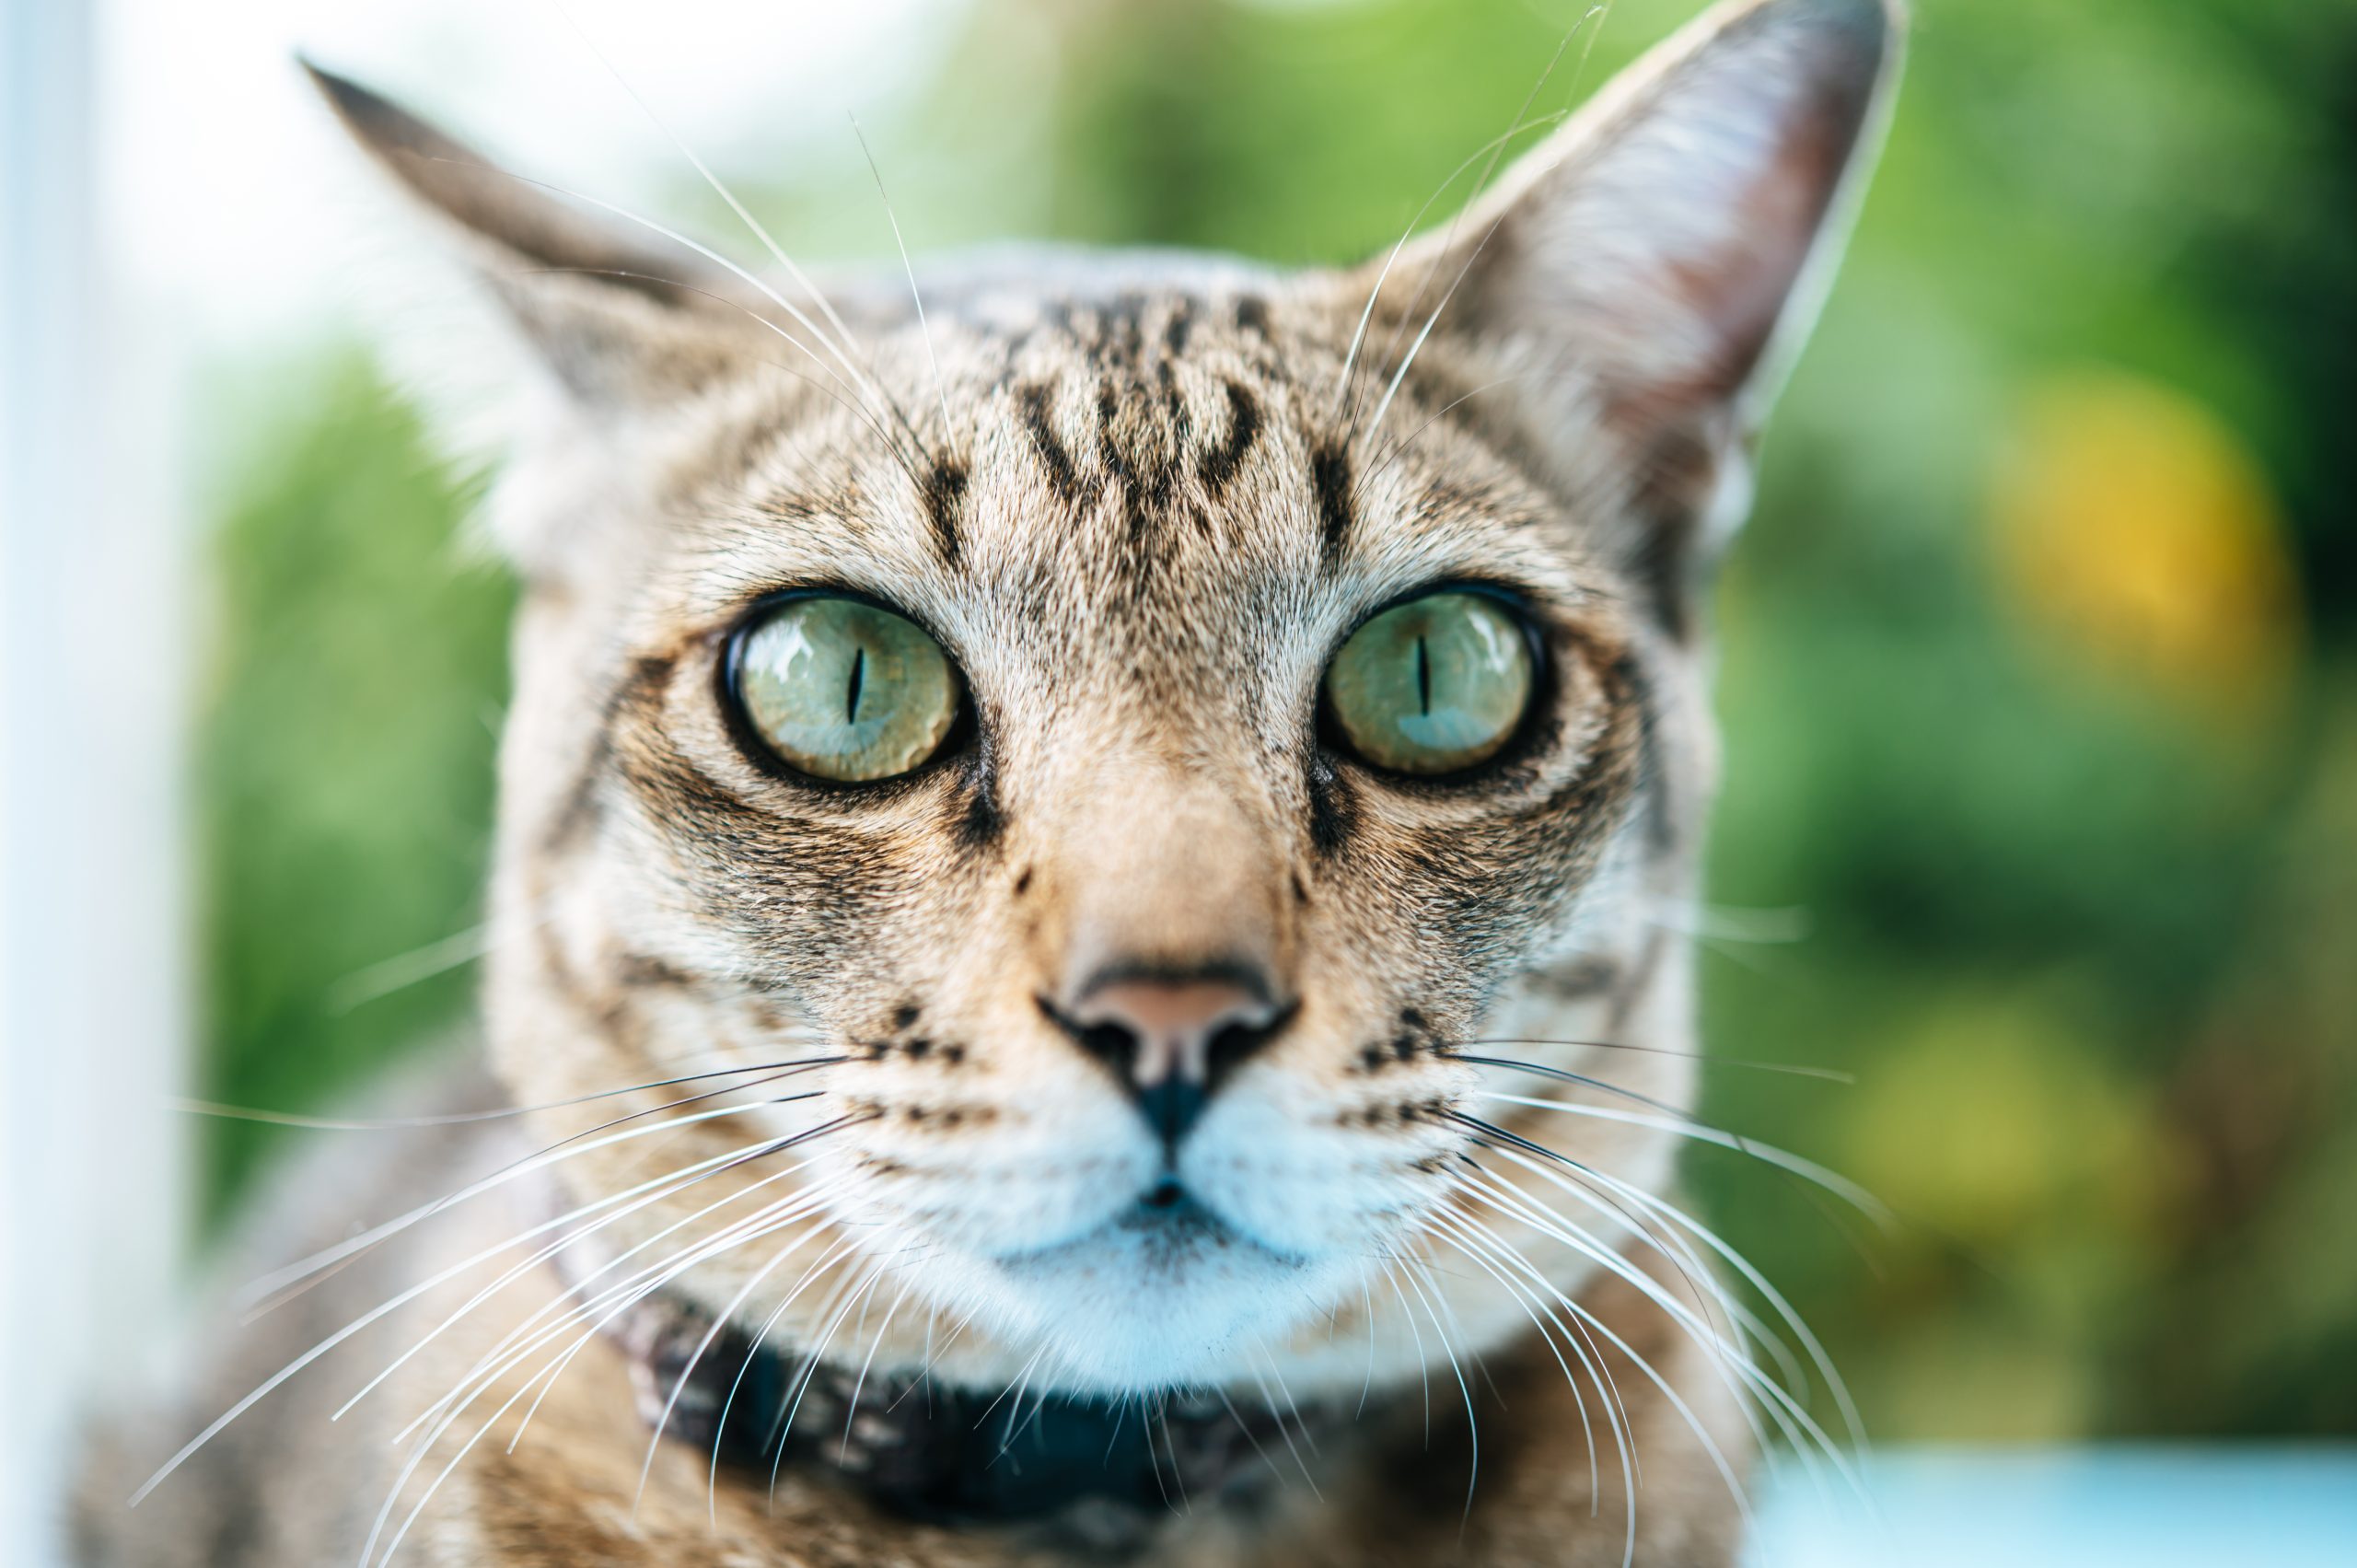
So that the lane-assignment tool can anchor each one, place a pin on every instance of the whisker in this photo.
(1809, 1171)
(405, 970)
(1268, 1398)
(800, 316)
(1560, 1076)
(1171, 1446)
(426, 1443)
(924, 328)
(810, 1369)
(777, 1212)
(563, 1244)
(1358, 335)
(851, 1408)
(1511, 1201)
(1245, 1427)
(1019, 1387)
(842, 338)
(752, 1352)
(264, 1295)
(622, 1296)
(577, 1302)
(375, 1315)
(450, 1119)
(1676, 1401)
(1729, 1356)
(857, 411)
(1398, 449)
(1811, 1344)
(1496, 151)
(368, 1548)
(1472, 1422)
(1829, 1075)
(719, 1322)
(1735, 1368)
(1615, 1412)
(1423, 1364)
(1595, 14)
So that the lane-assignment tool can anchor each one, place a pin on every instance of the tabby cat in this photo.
(1087, 910)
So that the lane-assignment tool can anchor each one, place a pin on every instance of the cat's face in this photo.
(1144, 834)
(1136, 914)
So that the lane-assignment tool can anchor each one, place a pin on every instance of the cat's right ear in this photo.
(618, 317)
(1651, 268)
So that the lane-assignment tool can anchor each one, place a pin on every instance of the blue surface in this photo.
(2143, 1507)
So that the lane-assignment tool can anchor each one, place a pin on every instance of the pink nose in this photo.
(1170, 1024)
(1171, 1040)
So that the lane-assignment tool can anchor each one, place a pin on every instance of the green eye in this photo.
(843, 691)
(1433, 686)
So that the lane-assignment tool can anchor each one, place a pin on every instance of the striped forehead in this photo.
(1140, 434)
(1150, 446)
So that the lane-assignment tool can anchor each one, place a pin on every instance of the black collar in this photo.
(943, 1455)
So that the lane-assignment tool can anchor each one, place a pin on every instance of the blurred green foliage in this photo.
(2071, 834)
(344, 764)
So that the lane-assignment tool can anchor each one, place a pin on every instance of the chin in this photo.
(1155, 1300)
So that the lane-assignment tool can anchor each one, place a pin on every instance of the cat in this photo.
(1064, 820)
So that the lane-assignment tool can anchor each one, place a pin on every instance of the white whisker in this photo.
(553, 1249)
(1472, 1422)
(810, 1366)
(1616, 1418)
(924, 328)
(324, 1346)
(261, 1295)
(1809, 1171)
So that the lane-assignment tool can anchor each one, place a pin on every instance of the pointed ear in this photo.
(617, 316)
(1669, 245)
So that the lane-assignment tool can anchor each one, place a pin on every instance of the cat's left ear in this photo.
(618, 314)
(1658, 261)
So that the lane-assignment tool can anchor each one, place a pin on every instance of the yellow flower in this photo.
(2133, 526)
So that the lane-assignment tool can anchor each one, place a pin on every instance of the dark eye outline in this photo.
(757, 748)
(1521, 742)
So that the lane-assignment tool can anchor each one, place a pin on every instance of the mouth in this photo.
(1157, 1296)
(1166, 1230)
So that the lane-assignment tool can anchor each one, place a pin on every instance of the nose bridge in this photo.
(1166, 869)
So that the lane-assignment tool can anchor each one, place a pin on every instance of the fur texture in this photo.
(1140, 500)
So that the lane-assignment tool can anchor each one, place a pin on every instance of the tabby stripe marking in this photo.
(1329, 469)
(1220, 463)
(944, 488)
(1062, 477)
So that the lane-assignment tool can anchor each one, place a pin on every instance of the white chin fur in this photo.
(1148, 1302)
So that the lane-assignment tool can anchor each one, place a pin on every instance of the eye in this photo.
(1433, 686)
(842, 689)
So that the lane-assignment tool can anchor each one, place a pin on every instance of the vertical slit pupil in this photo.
(858, 673)
(1423, 679)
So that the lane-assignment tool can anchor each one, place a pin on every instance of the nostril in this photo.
(1231, 1045)
(1111, 1044)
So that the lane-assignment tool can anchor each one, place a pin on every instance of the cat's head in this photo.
(1112, 746)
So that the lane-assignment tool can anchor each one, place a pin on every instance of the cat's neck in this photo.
(1108, 1468)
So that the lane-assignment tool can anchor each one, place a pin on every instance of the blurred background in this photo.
(2039, 660)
